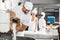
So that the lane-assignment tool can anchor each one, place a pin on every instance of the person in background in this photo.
(33, 21)
(23, 13)
(42, 22)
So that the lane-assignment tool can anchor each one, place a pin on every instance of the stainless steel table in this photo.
(42, 35)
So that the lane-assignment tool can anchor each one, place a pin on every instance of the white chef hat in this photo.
(34, 11)
(43, 13)
(28, 5)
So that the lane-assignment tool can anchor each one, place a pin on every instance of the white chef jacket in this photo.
(42, 23)
(24, 18)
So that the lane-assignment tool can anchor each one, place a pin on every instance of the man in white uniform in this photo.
(23, 13)
(42, 22)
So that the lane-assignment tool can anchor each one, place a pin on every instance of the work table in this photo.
(41, 34)
(53, 34)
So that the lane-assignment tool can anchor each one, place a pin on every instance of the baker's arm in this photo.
(16, 20)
